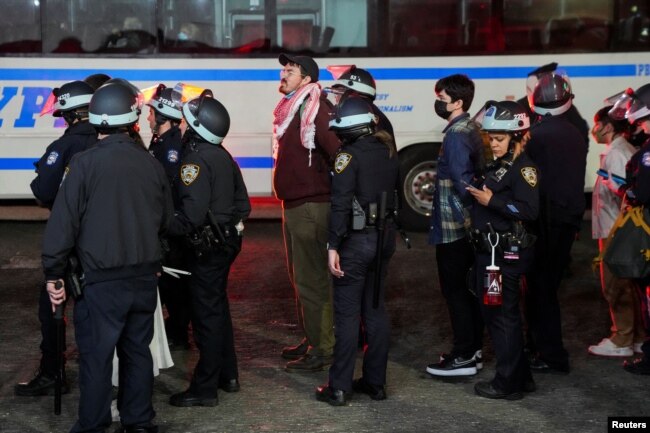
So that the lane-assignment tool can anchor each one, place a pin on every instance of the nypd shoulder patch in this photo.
(52, 157)
(645, 159)
(172, 156)
(530, 175)
(342, 161)
(189, 173)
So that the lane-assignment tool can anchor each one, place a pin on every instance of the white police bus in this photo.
(231, 46)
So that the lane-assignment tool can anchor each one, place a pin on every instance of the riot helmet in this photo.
(504, 116)
(71, 96)
(631, 105)
(352, 118)
(207, 117)
(115, 104)
(359, 80)
(639, 108)
(166, 104)
(96, 80)
(552, 94)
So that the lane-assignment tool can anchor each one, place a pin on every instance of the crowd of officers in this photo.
(121, 209)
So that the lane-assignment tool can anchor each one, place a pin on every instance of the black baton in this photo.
(381, 222)
(58, 320)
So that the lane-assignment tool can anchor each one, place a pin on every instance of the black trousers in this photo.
(552, 255)
(454, 261)
(174, 292)
(48, 333)
(211, 320)
(504, 322)
(109, 315)
(353, 296)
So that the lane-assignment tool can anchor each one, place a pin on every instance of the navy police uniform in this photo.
(363, 170)
(637, 174)
(560, 152)
(211, 181)
(50, 169)
(515, 199)
(113, 203)
(168, 150)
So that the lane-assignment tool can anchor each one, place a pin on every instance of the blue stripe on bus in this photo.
(492, 72)
(243, 161)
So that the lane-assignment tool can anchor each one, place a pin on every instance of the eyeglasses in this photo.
(289, 73)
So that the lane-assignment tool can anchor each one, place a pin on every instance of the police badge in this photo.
(172, 156)
(342, 161)
(189, 172)
(530, 175)
(52, 157)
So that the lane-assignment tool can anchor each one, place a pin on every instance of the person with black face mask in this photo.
(461, 158)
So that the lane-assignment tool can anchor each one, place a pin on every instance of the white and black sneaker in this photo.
(478, 357)
(457, 366)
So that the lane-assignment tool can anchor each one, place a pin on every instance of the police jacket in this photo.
(168, 150)
(50, 168)
(515, 189)
(113, 203)
(560, 152)
(363, 170)
(637, 174)
(209, 180)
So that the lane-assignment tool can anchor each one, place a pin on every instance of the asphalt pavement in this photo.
(272, 400)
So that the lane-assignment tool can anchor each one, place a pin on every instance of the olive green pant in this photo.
(305, 240)
(624, 306)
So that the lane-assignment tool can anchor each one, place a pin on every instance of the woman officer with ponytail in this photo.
(365, 167)
(507, 198)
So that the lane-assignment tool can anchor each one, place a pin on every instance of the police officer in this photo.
(213, 204)
(508, 200)
(637, 173)
(164, 118)
(365, 167)
(560, 152)
(572, 115)
(71, 103)
(363, 84)
(113, 203)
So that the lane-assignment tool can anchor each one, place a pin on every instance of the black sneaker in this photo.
(41, 384)
(296, 352)
(638, 366)
(457, 366)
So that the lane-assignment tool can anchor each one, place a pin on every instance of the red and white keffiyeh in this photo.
(286, 110)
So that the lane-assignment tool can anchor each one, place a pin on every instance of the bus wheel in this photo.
(418, 168)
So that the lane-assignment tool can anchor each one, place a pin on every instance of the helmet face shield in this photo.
(164, 100)
(334, 93)
(637, 110)
(621, 102)
(552, 94)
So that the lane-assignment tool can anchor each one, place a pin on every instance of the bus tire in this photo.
(418, 168)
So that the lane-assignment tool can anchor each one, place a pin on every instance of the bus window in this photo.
(633, 26)
(20, 25)
(194, 26)
(110, 26)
